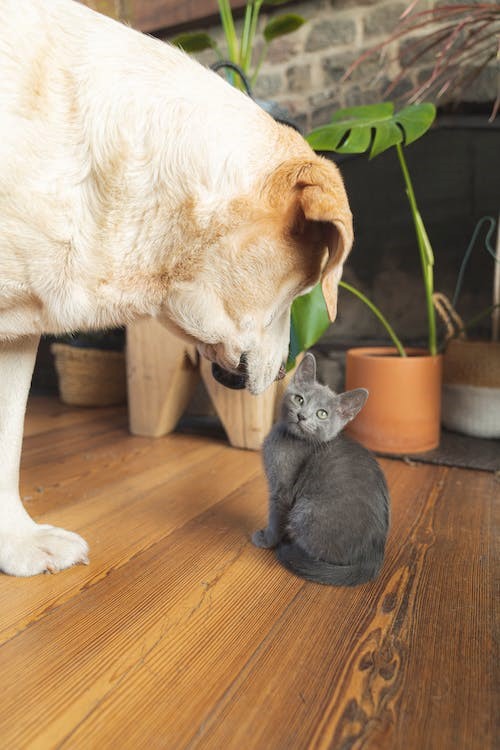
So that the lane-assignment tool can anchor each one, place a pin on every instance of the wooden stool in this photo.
(162, 373)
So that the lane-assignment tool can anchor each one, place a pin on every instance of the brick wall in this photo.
(303, 70)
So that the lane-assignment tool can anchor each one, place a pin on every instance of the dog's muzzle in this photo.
(233, 380)
(237, 380)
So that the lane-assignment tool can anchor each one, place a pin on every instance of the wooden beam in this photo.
(152, 15)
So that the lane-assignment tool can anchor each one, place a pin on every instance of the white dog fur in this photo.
(135, 182)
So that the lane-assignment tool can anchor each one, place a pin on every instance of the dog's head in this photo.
(260, 251)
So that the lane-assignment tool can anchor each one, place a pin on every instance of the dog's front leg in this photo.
(26, 548)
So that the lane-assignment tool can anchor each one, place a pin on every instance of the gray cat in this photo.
(329, 503)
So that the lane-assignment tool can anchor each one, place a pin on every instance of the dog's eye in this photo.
(322, 414)
(298, 399)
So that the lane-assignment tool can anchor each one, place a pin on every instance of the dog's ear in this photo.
(313, 195)
(323, 200)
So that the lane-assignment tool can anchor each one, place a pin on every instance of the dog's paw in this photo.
(41, 549)
(261, 539)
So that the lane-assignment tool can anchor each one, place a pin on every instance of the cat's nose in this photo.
(301, 416)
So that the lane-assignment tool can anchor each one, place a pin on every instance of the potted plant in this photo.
(238, 60)
(402, 414)
(471, 366)
(240, 50)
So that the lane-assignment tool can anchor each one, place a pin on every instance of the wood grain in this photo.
(162, 373)
(181, 634)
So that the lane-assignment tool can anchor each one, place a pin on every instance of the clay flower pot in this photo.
(403, 411)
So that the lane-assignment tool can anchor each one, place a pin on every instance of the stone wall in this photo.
(303, 71)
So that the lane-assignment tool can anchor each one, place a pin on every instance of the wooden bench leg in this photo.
(162, 373)
(247, 419)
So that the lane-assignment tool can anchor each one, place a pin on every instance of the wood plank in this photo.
(46, 414)
(122, 516)
(155, 609)
(406, 669)
(181, 634)
(162, 373)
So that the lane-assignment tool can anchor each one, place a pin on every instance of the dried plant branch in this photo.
(456, 35)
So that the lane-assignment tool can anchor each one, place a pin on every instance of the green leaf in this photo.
(326, 138)
(416, 120)
(309, 321)
(281, 25)
(385, 137)
(195, 41)
(357, 141)
(364, 113)
(355, 129)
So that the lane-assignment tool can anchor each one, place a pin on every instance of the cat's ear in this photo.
(350, 403)
(306, 371)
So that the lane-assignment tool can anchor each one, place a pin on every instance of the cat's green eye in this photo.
(298, 399)
(322, 414)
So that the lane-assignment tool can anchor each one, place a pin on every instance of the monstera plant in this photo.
(372, 129)
(404, 394)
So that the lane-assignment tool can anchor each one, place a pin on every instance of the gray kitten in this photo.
(329, 503)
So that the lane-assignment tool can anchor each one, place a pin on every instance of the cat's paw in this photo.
(41, 549)
(261, 539)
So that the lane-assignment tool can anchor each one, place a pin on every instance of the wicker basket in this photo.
(472, 363)
(90, 377)
(471, 388)
(471, 379)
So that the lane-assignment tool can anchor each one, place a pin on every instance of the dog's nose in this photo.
(235, 380)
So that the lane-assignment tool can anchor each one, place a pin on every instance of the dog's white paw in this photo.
(41, 549)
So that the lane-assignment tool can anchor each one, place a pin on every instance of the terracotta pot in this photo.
(402, 414)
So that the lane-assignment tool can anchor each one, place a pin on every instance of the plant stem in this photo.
(426, 255)
(256, 6)
(395, 340)
(259, 63)
(245, 36)
(477, 318)
(229, 30)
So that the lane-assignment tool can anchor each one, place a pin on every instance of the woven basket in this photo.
(471, 379)
(90, 377)
(472, 363)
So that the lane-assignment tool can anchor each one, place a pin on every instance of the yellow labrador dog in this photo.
(135, 182)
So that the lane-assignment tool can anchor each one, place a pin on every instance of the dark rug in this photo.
(462, 451)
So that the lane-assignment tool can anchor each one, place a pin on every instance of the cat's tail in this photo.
(298, 561)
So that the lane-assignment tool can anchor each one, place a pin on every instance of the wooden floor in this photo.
(181, 634)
